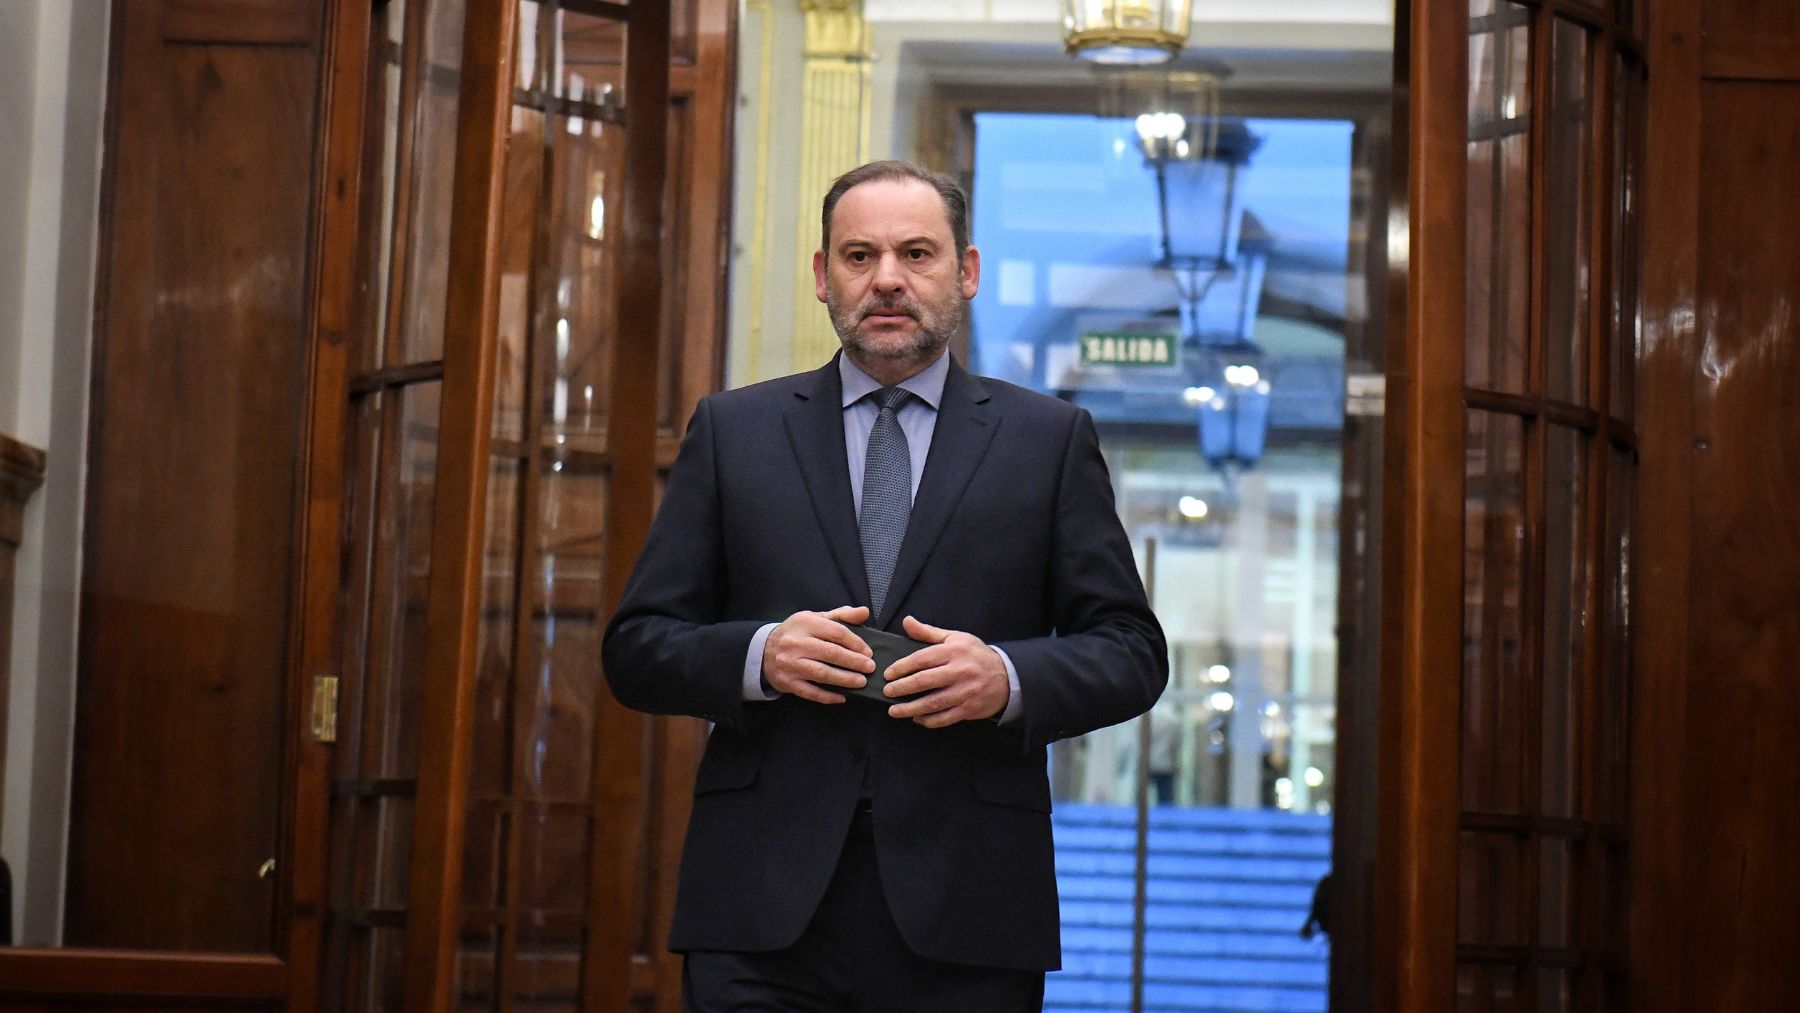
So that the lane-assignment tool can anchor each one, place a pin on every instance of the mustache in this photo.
(903, 306)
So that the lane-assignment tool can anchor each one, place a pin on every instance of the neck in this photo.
(891, 372)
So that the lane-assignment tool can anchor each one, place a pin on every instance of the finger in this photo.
(807, 691)
(922, 660)
(814, 671)
(932, 678)
(829, 653)
(855, 615)
(924, 631)
(835, 631)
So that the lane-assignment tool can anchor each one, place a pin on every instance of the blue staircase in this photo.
(1227, 892)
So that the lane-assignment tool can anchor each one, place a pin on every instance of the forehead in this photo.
(890, 209)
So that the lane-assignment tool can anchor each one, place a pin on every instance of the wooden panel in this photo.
(1669, 362)
(242, 22)
(1752, 39)
(1743, 715)
(69, 975)
(177, 785)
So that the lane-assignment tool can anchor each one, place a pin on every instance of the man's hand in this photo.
(964, 678)
(813, 649)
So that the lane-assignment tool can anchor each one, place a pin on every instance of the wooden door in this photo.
(207, 595)
(359, 256)
(1502, 849)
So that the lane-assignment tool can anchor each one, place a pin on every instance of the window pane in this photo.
(381, 146)
(432, 164)
(1487, 989)
(1553, 990)
(402, 569)
(1499, 200)
(576, 311)
(1627, 263)
(591, 55)
(1491, 891)
(1615, 681)
(1566, 239)
(1565, 617)
(1493, 583)
(1556, 893)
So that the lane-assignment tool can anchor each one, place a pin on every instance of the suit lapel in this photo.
(965, 427)
(815, 426)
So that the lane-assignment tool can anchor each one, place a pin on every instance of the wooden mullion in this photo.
(306, 845)
(460, 507)
(616, 874)
(389, 377)
(1415, 880)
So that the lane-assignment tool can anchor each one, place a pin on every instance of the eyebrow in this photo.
(922, 239)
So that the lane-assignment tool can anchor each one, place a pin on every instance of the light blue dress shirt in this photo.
(918, 420)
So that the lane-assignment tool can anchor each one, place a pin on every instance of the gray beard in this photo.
(926, 344)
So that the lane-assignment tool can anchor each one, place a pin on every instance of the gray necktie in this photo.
(886, 495)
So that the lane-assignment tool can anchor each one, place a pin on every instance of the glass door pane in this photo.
(526, 891)
(396, 405)
(1237, 763)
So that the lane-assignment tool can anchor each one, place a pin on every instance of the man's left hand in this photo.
(963, 678)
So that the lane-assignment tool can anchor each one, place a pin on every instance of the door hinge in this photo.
(324, 708)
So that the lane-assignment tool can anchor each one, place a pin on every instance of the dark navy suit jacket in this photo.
(1013, 537)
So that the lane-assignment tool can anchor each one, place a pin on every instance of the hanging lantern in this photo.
(1125, 31)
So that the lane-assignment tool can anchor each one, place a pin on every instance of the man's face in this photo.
(892, 279)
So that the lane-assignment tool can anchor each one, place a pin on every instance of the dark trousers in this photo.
(851, 959)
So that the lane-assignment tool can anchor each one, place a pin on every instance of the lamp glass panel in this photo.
(1203, 218)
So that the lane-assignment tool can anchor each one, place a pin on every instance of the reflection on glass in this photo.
(526, 880)
(1566, 238)
(1493, 630)
(1565, 617)
(1237, 762)
(1499, 199)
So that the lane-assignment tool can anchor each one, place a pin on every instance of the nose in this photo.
(889, 279)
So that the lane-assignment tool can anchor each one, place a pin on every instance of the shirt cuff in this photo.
(753, 680)
(1015, 705)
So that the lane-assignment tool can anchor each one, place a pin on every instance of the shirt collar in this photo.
(927, 384)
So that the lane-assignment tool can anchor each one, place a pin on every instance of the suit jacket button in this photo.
(858, 751)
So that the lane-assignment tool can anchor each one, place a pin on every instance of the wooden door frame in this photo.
(1421, 598)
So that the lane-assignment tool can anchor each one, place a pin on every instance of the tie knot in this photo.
(890, 398)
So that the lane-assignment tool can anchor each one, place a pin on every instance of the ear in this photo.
(819, 274)
(971, 272)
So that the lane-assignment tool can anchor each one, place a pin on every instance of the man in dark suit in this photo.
(845, 853)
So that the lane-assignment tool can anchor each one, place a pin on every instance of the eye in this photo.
(917, 253)
(858, 256)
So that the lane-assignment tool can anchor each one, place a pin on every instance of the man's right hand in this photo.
(809, 650)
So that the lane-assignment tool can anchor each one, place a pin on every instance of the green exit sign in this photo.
(1124, 348)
